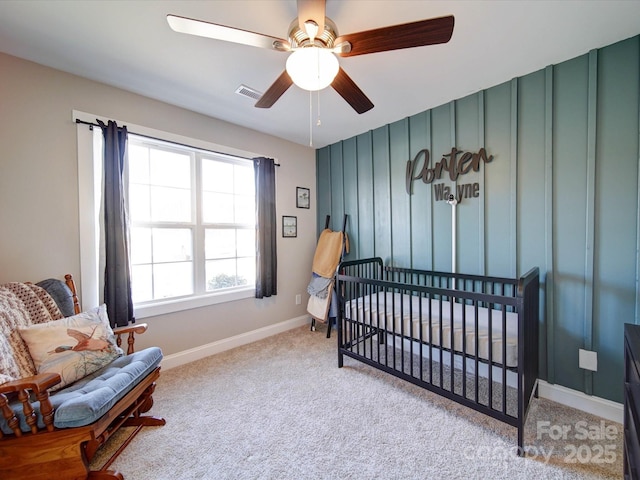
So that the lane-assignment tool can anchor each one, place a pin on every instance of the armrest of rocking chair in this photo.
(39, 385)
(131, 331)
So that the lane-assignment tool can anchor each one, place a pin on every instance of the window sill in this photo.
(177, 305)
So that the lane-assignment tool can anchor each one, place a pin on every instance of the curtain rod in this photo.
(91, 125)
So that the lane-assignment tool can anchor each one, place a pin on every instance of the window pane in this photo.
(217, 176)
(247, 271)
(217, 208)
(140, 245)
(220, 243)
(138, 157)
(139, 202)
(172, 244)
(246, 240)
(172, 280)
(170, 169)
(245, 210)
(222, 274)
(141, 283)
(170, 204)
(244, 180)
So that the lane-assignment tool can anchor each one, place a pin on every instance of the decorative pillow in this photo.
(72, 347)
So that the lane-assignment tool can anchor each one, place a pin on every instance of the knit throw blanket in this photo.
(21, 305)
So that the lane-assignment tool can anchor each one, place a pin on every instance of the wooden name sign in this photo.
(457, 163)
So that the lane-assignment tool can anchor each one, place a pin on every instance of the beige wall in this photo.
(39, 193)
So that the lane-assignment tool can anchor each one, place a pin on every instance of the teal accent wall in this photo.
(562, 193)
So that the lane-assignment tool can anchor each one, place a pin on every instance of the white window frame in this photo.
(89, 185)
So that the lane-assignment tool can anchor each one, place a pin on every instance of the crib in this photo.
(472, 339)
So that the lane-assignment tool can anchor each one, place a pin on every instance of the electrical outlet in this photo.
(298, 299)
(588, 360)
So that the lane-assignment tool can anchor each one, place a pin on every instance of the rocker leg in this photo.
(105, 475)
(144, 421)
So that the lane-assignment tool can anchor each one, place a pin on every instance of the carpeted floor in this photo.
(281, 409)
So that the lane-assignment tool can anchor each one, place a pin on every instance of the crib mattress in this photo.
(429, 321)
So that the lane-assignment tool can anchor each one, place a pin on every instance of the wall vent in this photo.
(248, 92)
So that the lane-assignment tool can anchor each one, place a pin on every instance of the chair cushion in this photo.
(88, 399)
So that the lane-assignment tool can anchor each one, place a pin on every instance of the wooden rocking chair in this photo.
(44, 450)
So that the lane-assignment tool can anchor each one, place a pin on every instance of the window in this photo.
(192, 215)
(161, 226)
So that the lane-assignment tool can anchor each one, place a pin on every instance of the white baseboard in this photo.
(602, 407)
(193, 354)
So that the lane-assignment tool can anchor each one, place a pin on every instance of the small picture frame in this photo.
(303, 197)
(289, 226)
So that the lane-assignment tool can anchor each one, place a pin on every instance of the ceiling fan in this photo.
(314, 42)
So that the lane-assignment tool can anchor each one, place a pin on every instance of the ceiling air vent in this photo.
(248, 92)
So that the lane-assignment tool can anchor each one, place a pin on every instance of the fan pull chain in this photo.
(318, 123)
(310, 119)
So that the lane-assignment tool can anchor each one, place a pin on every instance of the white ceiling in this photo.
(129, 44)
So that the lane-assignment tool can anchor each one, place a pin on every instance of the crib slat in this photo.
(464, 350)
(490, 346)
(452, 344)
(440, 338)
(504, 359)
(477, 352)
(430, 339)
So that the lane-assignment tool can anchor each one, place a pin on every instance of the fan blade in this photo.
(227, 34)
(275, 91)
(351, 93)
(311, 10)
(406, 35)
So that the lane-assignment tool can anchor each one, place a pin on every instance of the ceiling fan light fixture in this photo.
(312, 68)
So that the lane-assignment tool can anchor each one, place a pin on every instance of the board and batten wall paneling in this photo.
(498, 231)
(470, 225)
(350, 169)
(592, 90)
(441, 133)
(337, 186)
(616, 213)
(561, 193)
(381, 194)
(400, 207)
(531, 186)
(548, 291)
(324, 189)
(365, 234)
(421, 200)
(570, 101)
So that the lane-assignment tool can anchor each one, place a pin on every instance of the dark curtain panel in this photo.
(266, 230)
(117, 278)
